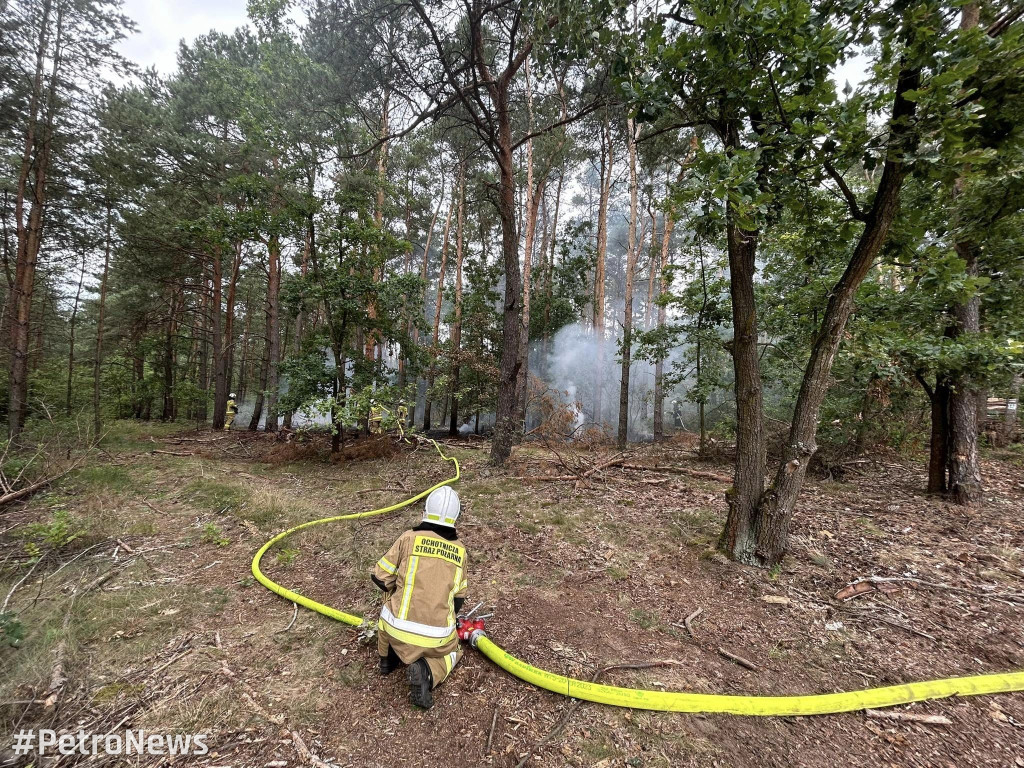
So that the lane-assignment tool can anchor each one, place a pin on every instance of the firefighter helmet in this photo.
(442, 507)
(232, 395)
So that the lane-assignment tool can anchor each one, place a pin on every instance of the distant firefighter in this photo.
(232, 411)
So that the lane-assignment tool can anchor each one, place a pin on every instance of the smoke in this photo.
(585, 374)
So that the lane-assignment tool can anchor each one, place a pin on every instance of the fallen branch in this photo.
(908, 717)
(617, 461)
(681, 471)
(976, 590)
(305, 754)
(58, 676)
(738, 659)
(688, 621)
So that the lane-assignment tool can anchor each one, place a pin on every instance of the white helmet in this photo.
(442, 507)
(232, 395)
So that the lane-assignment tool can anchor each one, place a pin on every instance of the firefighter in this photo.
(376, 419)
(232, 411)
(423, 576)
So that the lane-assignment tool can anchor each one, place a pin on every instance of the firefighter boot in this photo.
(389, 663)
(420, 684)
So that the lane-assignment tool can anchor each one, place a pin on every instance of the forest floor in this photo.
(580, 574)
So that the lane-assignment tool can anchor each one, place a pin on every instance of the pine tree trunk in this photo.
(170, 358)
(71, 339)
(203, 328)
(607, 168)
(505, 426)
(663, 285)
(652, 268)
(938, 449)
(97, 365)
(273, 330)
(438, 299)
(550, 270)
(257, 410)
(456, 331)
(964, 470)
(35, 162)
(423, 298)
(627, 321)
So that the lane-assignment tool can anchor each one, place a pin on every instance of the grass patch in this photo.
(698, 527)
(617, 573)
(598, 749)
(108, 478)
(643, 619)
(130, 435)
(111, 692)
(215, 495)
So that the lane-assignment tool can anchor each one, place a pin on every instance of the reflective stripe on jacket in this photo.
(422, 573)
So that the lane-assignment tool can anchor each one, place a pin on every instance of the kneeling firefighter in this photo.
(423, 576)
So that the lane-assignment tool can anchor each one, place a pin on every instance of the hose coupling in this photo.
(475, 636)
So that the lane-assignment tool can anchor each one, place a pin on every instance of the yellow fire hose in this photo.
(665, 701)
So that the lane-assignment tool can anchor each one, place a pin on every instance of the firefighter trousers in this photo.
(440, 660)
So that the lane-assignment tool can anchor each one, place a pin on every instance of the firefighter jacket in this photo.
(423, 576)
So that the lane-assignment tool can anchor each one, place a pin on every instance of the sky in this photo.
(163, 23)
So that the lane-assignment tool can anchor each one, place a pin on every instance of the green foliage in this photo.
(12, 631)
(53, 535)
(213, 535)
(286, 556)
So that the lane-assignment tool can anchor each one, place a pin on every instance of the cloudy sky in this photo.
(162, 23)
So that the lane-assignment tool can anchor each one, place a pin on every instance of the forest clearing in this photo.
(639, 380)
(579, 576)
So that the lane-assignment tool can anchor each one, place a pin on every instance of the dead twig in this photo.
(18, 583)
(910, 717)
(891, 623)
(295, 615)
(148, 504)
(490, 734)
(738, 660)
